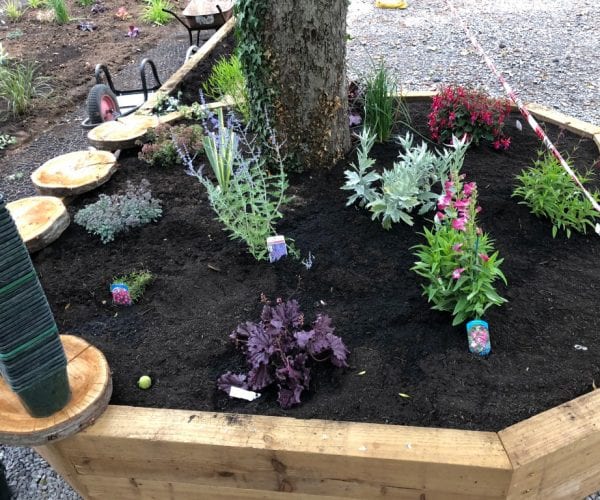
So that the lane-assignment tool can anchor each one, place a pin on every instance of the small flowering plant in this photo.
(458, 260)
(458, 111)
(280, 351)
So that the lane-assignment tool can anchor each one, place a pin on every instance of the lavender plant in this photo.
(120, 212)
(246, 198)
(407, 186)
(280, 351)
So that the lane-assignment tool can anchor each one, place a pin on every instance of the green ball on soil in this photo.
(144, 382)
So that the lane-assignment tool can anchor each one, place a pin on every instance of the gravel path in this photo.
(547, 49)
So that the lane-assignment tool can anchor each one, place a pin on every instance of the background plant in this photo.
(407, 186)
(458, 260)
(111, 215)
(246, 198)
(13, 10)
(36, 4)
(550, 192)
(86, 3)
(280, 351)
(137, 282)
(61, 13)
(382, 104)
(20, 83)
(4, 57)
(161, 150)
(153, 12)
(14, 35)
(227, 79)
(6, 140)
(458, 111)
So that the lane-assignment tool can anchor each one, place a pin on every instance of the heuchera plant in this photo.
(458, 260)
(279, 351)
(459, 111)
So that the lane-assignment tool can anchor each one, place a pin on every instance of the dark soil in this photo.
(206, 284)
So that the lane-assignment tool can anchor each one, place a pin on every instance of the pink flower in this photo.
(462, 204)
(457, 272)
(469, 187)
(457, 246)
(459, 224)
(484, 257)
(496, 144)
(439, 216)
(478, 209)
(479, 231)
(444, 201)
(451, 116)
(448, 185)
(505, 142)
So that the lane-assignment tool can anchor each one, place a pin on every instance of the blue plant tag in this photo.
(119, 285)
(276, 247)
(120, 294)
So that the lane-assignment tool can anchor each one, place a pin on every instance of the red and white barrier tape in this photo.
(524, 111)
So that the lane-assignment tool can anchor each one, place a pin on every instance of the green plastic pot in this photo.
(47, 395)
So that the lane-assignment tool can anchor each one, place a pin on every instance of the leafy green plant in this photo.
(36, 4)
(221, 148)
(382, 105)
(550, 192)
(249, 205)
(20, 83)
(13, 10)
(120, 212)
(407, 186)
(137, 282)
(15, 34)
(6, 140)
(458, 260)
(153, 12)
(61, 13)
(459, 111)
(161, 148)
(226, 79)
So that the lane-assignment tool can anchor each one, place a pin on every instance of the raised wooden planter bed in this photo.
(133, 453)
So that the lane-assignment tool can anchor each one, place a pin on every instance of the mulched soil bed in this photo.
(178, 332)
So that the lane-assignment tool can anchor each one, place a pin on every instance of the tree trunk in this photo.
(302, 76)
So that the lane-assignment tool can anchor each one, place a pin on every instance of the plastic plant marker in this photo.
(276, 247)
(478, 335)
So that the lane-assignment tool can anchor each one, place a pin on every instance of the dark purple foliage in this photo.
(279, 351)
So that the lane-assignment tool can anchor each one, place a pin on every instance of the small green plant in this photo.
(550, 192)
(20, 83)
(86, 3)
(458, 260)
(14, 35)
(382, 105)
(136, 282)
(161, 150)
(226, 79)
(249, 205)
(4, 57)
(405, 187)
(153, 12)
(61, 14)
(166, 103)
(221, 148)
(36, 4)
(120, 212)
(6, 140)
(13, 10)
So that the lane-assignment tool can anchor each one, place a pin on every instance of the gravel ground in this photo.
(547, 49)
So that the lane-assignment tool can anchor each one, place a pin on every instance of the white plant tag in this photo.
(598, 229)
(276, 247)
(238, 392)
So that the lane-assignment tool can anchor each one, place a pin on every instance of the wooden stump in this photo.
(74, 173)
(91, 388)
(122, 133)
(40, 220)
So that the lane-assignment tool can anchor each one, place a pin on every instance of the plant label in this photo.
(120, 294)
(276, 247)
(238, 392)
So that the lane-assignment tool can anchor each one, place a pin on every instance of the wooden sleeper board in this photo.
(40, 220)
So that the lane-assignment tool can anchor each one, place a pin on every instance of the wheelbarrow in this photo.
(204, 15)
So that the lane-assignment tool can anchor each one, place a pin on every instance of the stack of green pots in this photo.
(32, 358)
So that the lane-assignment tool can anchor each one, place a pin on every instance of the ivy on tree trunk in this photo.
(294, 57)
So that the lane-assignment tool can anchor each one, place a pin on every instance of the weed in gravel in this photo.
(153, 12)
(20, 83)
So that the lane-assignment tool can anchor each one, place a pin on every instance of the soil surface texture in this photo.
(206, 284)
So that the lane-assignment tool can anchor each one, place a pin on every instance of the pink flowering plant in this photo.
(458, 260)
(460, 111)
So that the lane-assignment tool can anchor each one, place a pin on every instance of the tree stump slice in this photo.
(74, 173)
(122, 133)
(91, 388)
(40, 220)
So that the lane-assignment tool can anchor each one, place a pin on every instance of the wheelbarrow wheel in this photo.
(102, 105)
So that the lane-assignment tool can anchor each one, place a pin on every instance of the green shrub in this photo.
(61, 14)
(227, 79)
(161, 150)
(153, 12)
(120, 212)
(13, 10)
(549, 191)
(136, 282)
(19, 85)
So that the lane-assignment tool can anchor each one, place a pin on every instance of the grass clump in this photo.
(153, 12)
(61, 14)
(227, 79)
(13, 10)
(20, 83)
(36, 4)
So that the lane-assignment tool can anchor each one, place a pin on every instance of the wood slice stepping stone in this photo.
(74, 173)
(122, 133)
(39, 219)
(91, 388)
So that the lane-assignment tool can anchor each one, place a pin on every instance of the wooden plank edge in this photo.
(556, 454)
(597, 140)
(570, 123)
(169, 86)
